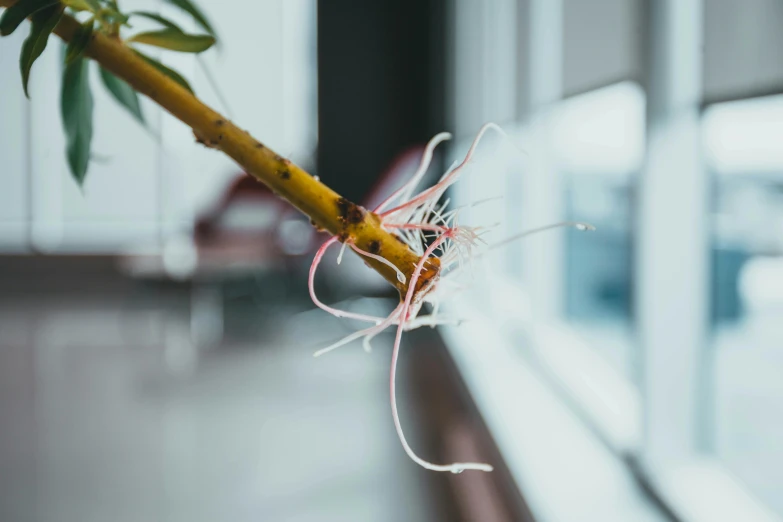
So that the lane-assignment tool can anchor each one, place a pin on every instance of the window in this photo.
(746, 345)
(599, 144)
(661, 330)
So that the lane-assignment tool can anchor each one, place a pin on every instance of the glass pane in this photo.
(600, 149)
(601, 43)
(743, 152)
(742, 47)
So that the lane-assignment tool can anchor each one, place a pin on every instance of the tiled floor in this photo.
(108, 412)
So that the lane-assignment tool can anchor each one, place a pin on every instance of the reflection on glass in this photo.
(599, 141)
(745, 157)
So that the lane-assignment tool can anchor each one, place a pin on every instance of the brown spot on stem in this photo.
(315, 226)
(429, 274)
(284, 173)
(204, 141)
(220, 123)
(220, 137)
(375, 247)
(350, 213)
(259, 145)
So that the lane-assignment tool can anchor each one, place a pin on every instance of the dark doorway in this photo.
(381, 81)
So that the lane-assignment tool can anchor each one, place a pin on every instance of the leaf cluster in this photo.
(99, 16)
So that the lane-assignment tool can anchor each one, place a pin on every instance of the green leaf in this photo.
(156, 17)
(79, 42)
(175, 40)
(123, 93)
(76, 108)
(171, 73)
(197, 15)
(15, 15)
(43, 23)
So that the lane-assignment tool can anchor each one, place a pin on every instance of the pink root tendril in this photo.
(429, 229)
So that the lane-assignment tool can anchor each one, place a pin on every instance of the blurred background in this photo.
(156, 329)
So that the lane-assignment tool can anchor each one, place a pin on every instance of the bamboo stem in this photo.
(326, 209)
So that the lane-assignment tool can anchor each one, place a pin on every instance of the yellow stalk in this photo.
(326, 209)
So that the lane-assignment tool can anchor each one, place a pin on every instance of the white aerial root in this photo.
(400, 275)
(428, 228)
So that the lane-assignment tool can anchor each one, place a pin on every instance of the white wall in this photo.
(141, 187)
(13, 144)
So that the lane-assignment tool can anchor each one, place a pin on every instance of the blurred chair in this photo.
(250, 224)
(250, 231)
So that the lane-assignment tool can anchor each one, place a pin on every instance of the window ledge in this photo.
(565, 472)
(701, 490)
(606, 400)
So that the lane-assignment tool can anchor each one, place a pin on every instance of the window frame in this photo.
(664, 451)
